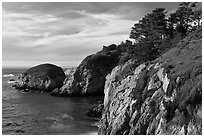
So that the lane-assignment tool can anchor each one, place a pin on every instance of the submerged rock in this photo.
(42, 77)
(25, 90)
(11, 80)
(159, 97)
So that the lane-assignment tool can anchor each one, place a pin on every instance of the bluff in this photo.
(44, 77)
(163, 96)
(89, 76)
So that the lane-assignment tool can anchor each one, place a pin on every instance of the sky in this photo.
(64, 33)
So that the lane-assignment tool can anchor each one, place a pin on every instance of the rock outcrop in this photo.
(89, 76)
(44, 77)
(67, 82)
(163, 96)
(95, 112)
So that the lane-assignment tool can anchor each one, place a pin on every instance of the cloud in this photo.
(64, 32)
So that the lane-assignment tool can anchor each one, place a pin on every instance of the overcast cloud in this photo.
(65, 33)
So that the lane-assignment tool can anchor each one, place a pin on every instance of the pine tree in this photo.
(151, 27)
(197, 13)
(181, 19)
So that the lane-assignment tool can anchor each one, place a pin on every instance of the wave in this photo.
(91, 133)
(11, 82)
(96, 124)
(8, 75)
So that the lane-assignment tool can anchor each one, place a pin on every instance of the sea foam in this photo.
(8, 75)
(11, 82)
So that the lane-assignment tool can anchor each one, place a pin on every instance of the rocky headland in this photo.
(90, 76)
(163, 96)
(148, 89)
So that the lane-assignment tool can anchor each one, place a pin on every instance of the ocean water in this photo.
(38, 113)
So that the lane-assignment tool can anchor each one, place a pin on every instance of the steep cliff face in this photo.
(159, 97)
(89, 76)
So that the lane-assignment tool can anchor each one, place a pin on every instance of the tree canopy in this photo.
(155, 26)
(158, 31)
(152, 26)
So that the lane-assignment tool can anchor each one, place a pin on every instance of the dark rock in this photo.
(25, 90)
(95, 111)
(11, 79)
(89, 76)
(15, 85)
(58, 92)
(109, 48)
(42, 77)
(55, 92)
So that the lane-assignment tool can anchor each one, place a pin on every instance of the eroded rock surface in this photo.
(89, 76)
(95, 112)
(67, 83)
(42, 77)
(159, 97)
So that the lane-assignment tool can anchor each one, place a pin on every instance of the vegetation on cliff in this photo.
(164, 31)
(154, 34)
(163, 96)
(152, 85)
(156, 88)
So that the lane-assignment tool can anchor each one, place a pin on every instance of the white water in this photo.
(8, 75)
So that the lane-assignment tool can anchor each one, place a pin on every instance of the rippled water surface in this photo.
(40, 113)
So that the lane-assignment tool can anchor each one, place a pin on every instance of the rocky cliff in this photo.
(163, 96)
(89, 76)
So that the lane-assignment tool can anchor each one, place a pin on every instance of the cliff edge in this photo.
(163, 96)
(89, 76)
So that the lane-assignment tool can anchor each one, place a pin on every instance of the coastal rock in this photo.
(42, 77)
(163, 96)
(67, 82)
(89, 76)
(95, 111)
(69, 72)
(55, 92)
